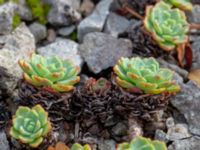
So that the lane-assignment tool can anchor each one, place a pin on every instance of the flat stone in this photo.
(116, 24)
(187, 101)
(177, 132)
(66, 31)
(21, 39)
(96, 20)
(186, 144)
(63, 48)
(38, 30)
(3, 141)
(101, 51)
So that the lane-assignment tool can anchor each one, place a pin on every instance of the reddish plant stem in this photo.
(194, 26)
(133, 12)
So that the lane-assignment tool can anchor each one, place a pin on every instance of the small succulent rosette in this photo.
(30, 126)
(181, 4)
(76, 146)
(168, 26)
(145, 75)
(141, 143)
(51, 72)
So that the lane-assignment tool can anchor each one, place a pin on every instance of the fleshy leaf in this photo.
(144, 74)
(50, 72)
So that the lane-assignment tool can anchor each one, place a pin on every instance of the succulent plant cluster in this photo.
(100, 86)
(30, 125)
(141, 143)
(168, 26)
(181, 4)
(144, 74)
(50, 72)
(76, 146)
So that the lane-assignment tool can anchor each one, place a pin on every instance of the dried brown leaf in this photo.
(194, 75)
(59, 146)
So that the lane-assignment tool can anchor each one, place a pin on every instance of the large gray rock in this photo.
(17, 45)
(21, 39)
(196, 56)
(64, 12)
(3, 141)
(6, 17)
(96, 20)
(63, 48)
(38, 30)
(116, 24)
(186, 144)
(101, 51)
(187, 102)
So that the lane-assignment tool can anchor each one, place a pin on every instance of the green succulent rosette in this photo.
(141, 143)
(78, 146)
(181, 4)
(30, 125)
(144, 74)
(60, 75)
(168, 26)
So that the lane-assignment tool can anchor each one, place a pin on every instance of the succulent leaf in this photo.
(182, 4)
(98, 87)
(146, 75)
(51, 72)
(77, 146)
(59, 146)
(30, 125)
(168, 26)
(141, 143)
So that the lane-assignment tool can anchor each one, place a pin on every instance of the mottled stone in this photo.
(160, 135)
(6, 17)
(17, 45)
(106, 145)
(177, 132)
(120, 129)
(193, 16)
(96, 20)
(116, 24)
(101, 51)
(87, 7)
(63, 48)
(187, 101)
(186, 144)
(38, 30)
(66, 31)
(64, 12)
(196, 54)
(3, 141)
